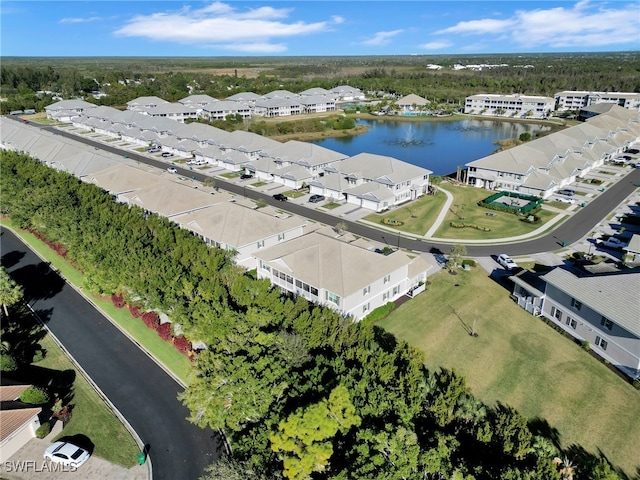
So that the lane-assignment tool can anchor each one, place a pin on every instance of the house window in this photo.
(602, 343)
(572, 322)
(576, 304)
(365, 308)
(385, 295)
(396, 290)
(366, 290)
(314, 291)
(260, 244)
(556, 313)
(333, 298)
(264, 266)
(387, 279)
(606, 323)
(280, 236)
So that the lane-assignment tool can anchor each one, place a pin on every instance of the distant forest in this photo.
(123, 79)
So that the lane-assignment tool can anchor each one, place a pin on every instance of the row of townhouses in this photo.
(532, 106)
(370, 181)
(546, 164)
(278, 103)
(304, 258)
(602, 309)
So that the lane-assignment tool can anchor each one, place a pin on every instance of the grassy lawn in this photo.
(231, 175)
(331, 205)
(518, 360)
(163, 351)
(91, 416)
(465, 210)
(417, 216)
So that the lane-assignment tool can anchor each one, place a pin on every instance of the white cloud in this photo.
(381, 38)
(435, 45)
(582, 25)
(223, 26)
(79, 19)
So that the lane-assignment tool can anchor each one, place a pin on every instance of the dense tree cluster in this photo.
(300, 391)
(173, 78)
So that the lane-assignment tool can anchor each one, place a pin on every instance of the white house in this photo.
(141, 104)
(350, 279)
(173, 111)
(543, 165)
(223, 108)
(515, 105)
(18, 424)
(241, 229)
(345, 93)
(577, 99)
(65, 110)
(601, 309)
(277, 107)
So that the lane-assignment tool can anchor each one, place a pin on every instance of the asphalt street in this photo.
(570, 231)
(139, 388)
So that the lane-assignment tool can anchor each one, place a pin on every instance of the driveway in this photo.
(142, 391)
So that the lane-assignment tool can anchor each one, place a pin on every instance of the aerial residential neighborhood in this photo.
(339, 240)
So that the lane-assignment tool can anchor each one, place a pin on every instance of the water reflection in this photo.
(439, 146)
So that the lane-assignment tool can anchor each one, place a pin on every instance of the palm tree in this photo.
(10, 292)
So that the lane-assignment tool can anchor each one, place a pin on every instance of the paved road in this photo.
(570, 231)
(142, 391)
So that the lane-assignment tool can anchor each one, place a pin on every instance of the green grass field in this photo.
(519, 360)
(91, 416)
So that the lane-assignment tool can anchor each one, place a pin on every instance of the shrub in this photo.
(117, 300)
(379, 313)
(469, 261)
(164, 330)
(585, 345)
(392, 222)
(8, 363)
(39, 355)
(151, 319)
(135, 310)
(34, 396)
(469, 225)
(182, 345)
(43, 430)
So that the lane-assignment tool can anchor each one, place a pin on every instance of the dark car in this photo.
(316, 198)
(245, 176)
(566, 191)
(280, 196)
(633, 150)
(167, 154)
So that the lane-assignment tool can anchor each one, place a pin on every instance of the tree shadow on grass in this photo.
(587, 462)
(540, 427)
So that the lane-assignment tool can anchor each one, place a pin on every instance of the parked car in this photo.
(316, 198)
(67, 454)
(506, 261)
(245, 176)
(154, 150)
(633, 150)
(566, 191)
(565, 200)
(167, 154)
(280, 197)
(611, 242)
(172, 170)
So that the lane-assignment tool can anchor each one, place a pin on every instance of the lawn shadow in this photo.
(540, 427)
(587, 461)
(22, 333)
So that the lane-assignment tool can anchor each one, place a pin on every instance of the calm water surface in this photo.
(439, 146)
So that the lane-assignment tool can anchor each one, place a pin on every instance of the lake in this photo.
(438, 146)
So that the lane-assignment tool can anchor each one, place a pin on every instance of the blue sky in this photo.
(239, 28)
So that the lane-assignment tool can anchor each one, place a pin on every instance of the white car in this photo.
(612, 242)
(66, 454)
(568, 200)
(506, 261)
(172, 170)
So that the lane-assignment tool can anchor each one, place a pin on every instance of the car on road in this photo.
(67, 454)
(167, 154)
(280, 197)
(172, 170)
(316, 198)
(506, 261)
(566, 191)
(611, 242)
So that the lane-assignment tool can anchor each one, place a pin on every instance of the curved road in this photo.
(570, 231)
(140, 389)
